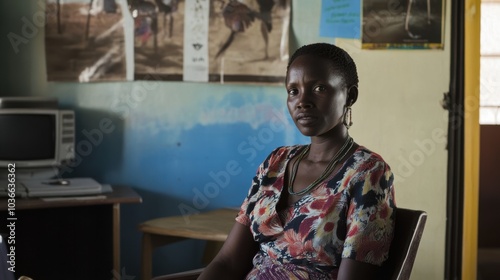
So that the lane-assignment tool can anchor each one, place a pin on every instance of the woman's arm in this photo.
(353, 270)
(234, 260)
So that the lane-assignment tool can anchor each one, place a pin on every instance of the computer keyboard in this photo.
(54, 187)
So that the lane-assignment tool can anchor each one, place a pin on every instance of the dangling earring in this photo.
(348, 117)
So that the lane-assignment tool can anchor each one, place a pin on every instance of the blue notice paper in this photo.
(340, 19)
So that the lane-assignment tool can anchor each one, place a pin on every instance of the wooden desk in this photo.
(69, 238)
(213, 226)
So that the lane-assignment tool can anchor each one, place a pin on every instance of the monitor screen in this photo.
(27, 136)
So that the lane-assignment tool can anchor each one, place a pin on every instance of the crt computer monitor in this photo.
(36, 139)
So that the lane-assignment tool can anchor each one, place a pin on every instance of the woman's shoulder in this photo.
(366, 158)
(369, 165)
(366, 152)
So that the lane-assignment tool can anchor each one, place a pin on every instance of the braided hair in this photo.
(338, 58)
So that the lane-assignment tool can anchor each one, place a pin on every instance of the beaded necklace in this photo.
(329, 168)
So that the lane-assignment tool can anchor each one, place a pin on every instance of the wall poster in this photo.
(84, 41)
(244, 41)
(403, 24)
(214, 40)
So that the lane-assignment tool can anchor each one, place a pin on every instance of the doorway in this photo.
(488, 259)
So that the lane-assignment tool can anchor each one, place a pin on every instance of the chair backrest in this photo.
(407, 235)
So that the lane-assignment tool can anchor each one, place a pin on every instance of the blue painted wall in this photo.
(181, 146)
(180, 153)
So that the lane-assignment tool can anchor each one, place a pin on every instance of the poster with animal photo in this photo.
(158, 39)
(221, 41)
(403, 24)
(84, 40)
(248, 41)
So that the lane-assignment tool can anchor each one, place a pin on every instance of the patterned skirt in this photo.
(266, 268)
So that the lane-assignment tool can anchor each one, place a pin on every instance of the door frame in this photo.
(471, 137)
(462, 101)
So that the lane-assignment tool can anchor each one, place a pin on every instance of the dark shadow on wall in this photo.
(98, 144)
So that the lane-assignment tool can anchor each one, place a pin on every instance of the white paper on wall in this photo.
(196, 40)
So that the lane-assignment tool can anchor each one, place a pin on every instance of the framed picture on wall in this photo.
(403, 24)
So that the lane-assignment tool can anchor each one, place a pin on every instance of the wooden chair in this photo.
(407, 235)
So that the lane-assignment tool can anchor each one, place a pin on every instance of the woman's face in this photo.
(317, 96)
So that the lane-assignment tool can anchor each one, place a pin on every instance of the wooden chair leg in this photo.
(149, 243)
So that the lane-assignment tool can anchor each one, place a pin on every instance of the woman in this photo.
(318, 211)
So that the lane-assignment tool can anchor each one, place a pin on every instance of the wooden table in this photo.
(69, 237)
(213, 226)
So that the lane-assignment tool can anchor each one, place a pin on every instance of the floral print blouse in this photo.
(349, 215)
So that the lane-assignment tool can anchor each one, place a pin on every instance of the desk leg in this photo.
(147, 256)
(116, 239)
(149, 243)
